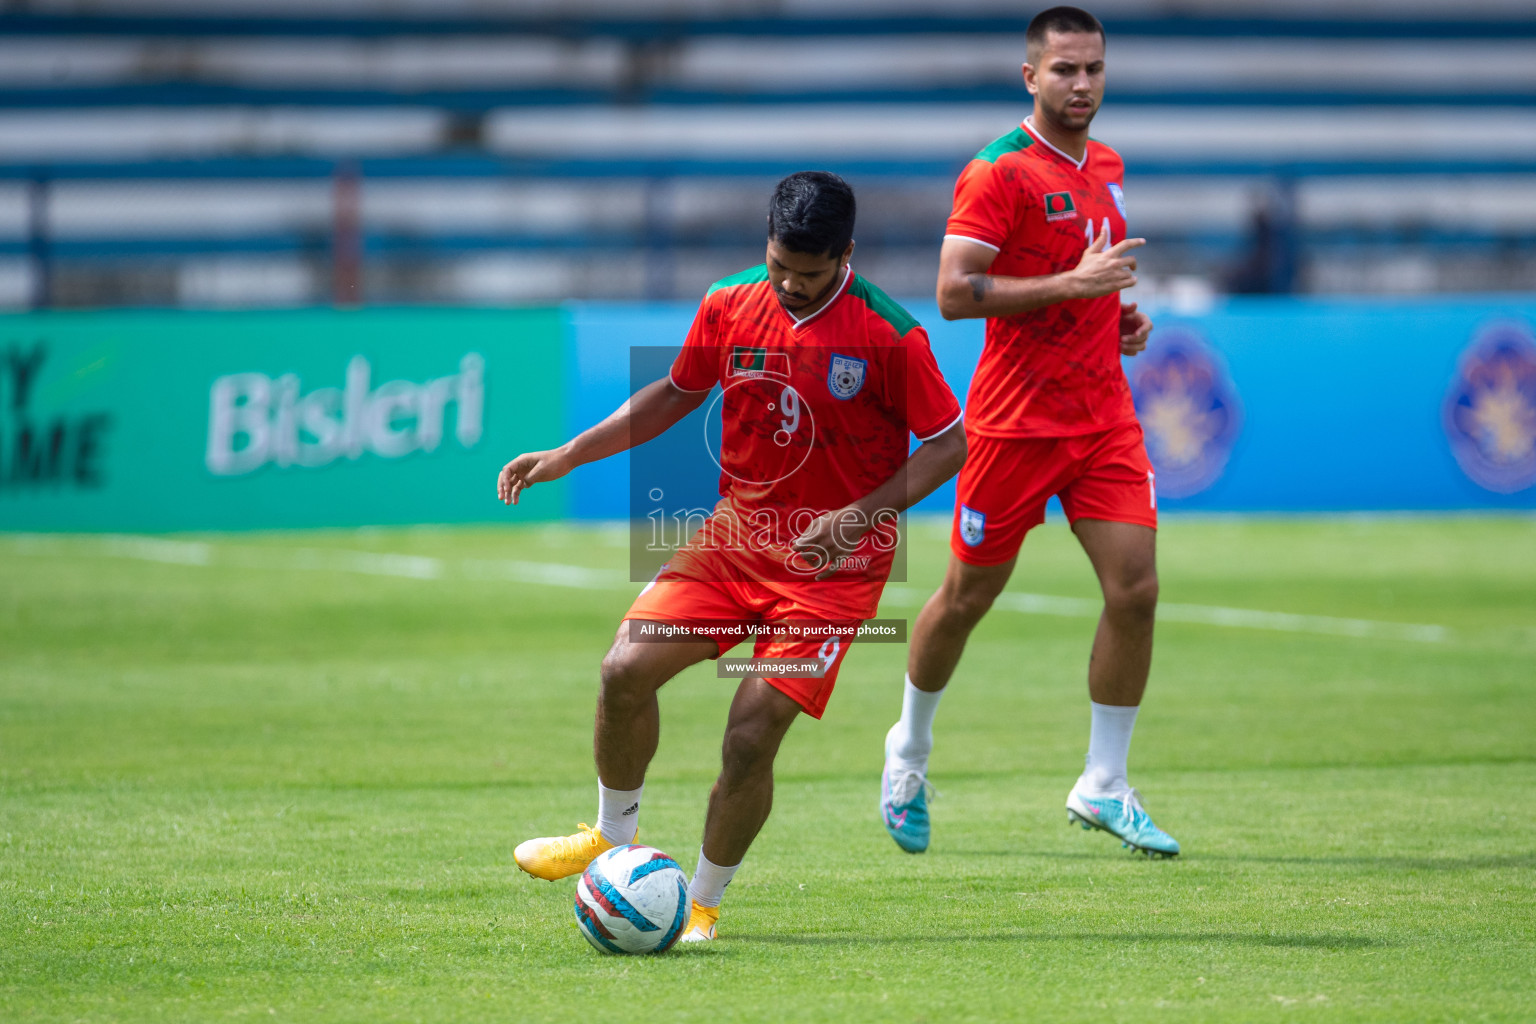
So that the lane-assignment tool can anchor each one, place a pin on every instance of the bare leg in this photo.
(628, 718)
(946, 621)
(743, 794)
(624, 741)
(1124, 555)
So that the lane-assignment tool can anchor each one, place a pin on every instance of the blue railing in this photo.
(172, 94)
(472, 164)
(1454, 26)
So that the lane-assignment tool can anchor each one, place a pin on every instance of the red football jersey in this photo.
(1053, 371)
(813, 415)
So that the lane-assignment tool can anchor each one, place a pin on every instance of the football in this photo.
(632, 899)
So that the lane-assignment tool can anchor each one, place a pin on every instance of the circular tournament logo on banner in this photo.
(1189, 411)
(1490, 411)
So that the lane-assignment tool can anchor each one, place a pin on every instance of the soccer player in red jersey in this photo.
(1036, 245)
(823, 381)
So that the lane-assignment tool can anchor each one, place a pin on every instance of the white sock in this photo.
(912, 738)
(709, 881)
(618, 813)
(1109, 745)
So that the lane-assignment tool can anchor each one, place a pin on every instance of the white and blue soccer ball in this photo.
(632, 899)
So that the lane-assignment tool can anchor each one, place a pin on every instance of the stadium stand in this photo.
(173, 153)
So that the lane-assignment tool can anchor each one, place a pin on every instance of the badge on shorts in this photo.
(846, 376)
(1059, 206)
(973, 526)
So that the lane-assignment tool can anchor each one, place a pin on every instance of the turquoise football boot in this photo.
(1124, 818)
(904, 795)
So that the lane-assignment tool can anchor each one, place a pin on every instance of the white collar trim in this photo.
(1029, 125)
(843, 286)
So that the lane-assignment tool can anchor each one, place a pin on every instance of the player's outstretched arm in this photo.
(967, 290)
(836, 533)
(648, 413)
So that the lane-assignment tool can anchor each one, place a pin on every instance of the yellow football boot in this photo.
(561, 856)
(701, 923)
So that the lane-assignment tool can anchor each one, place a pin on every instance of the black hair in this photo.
(1057, 19)
(812, 212)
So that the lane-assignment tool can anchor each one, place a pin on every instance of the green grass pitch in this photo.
(279, 777)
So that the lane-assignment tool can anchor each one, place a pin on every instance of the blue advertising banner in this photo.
(1351, 405)
(172, 421)
(1273, 405)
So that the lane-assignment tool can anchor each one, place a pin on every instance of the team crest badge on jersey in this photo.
(973, 526)
(846, 376)
(1189, 410)
(1490, 410)
(1118, 195)
(1059, 206)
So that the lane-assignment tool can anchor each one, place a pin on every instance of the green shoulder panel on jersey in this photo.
(883, 306)
(757, 275)
(1013, 142)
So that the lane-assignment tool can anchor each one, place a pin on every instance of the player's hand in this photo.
(528, 469)
(1104, 268)
(1134, 329)
(827, 539)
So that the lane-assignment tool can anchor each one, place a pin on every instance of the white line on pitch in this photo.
(310, 559)
(202, 554)
(549, 573)
(420, 567)
(143, 549)
(1207, 615)
(1287, 622)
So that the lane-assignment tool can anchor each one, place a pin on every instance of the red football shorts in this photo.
(1006, 482)
(717, 599)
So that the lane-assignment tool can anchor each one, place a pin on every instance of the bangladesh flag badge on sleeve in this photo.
(1059, 206)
